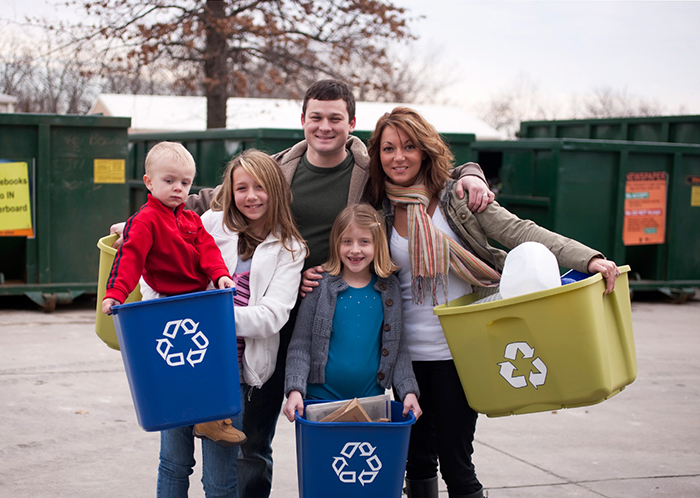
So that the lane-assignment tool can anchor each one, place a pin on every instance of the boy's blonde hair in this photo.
(168, 152)
(279, 219)
(363, 216)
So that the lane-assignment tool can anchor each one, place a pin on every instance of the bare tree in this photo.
(607, 102)
(235, 45)
(415, 75)
(521, 101)
(45, 78)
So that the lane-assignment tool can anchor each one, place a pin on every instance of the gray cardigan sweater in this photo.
(308, 349)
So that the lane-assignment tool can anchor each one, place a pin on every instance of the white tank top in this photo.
(422, 330)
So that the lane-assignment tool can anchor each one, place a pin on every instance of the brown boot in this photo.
(220, 431)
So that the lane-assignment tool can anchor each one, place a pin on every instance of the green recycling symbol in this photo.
(536, 378)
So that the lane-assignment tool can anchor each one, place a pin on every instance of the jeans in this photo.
(219, 475)
(263, 407)
(445, 431)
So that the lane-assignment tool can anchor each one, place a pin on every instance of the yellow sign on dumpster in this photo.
(110, 170)
(15, 202)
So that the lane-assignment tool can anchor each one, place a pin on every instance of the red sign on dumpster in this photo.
(645, 208)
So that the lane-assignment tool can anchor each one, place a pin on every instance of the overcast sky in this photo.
(651, 49)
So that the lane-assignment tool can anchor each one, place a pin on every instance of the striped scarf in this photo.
(433, 253)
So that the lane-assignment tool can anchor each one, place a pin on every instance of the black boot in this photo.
(422, 488)
(482, 493)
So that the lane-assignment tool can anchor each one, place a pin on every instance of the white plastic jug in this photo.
(530, 267)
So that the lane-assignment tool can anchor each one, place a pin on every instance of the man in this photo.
(326, 171)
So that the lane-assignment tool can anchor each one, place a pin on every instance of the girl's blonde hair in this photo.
(279, 219)
(363, 216)
(438, 158)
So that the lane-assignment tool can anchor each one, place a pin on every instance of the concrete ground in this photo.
(69, 428)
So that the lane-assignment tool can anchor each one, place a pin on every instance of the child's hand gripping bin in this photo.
(351, 459)
(104, 326)
(560, 348)
(181, 358)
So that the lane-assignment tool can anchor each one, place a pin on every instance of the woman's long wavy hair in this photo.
(278, 220)
(437, 161)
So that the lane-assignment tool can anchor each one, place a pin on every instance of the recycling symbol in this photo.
(536, 378)
(364, 451)
(165, 346)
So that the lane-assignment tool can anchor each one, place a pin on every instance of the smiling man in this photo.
(327, 171)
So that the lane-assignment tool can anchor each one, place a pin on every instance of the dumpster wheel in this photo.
(678, 296)
(48, 301)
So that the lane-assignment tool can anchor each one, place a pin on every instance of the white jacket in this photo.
(275, 274)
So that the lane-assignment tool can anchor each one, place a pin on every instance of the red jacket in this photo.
(171, 249)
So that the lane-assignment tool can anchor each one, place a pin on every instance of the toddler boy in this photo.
(170, 249)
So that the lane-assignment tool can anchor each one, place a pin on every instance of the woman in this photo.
(443, 250)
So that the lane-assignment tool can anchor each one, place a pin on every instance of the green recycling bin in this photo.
(638, 203)
(69, 174)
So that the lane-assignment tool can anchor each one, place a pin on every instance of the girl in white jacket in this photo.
(252, 223)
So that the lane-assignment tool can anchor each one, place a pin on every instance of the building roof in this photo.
(150, 113)
(7, 99)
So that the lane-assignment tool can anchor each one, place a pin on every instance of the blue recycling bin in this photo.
(181, 358)
(351, 459)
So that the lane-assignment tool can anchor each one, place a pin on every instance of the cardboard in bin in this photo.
(104, 326)
(565, 347)
(376, 407)
(351, 459)
(181, 358)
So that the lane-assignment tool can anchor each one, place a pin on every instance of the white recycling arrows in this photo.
(513, 348)
(372, 462)
(507, 369)
(536, 378)
(194, 355)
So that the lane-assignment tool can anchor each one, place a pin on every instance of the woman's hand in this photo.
(410, 403)
(479, 194)
(309, 280)
(608, 269)
(117, 228)
(295, 403)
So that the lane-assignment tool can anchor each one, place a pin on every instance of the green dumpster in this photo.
(637, 202)
(673, 129)
(211, 150)
(66, 176)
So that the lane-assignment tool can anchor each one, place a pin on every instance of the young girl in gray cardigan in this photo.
(348, 338)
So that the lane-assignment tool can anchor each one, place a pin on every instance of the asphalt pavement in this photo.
(69, 427)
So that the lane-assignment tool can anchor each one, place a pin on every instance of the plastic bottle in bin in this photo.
(529, 267)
